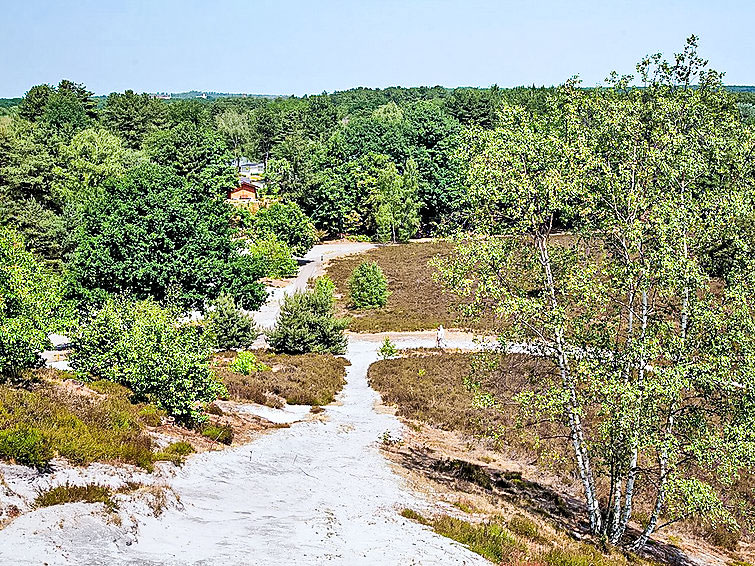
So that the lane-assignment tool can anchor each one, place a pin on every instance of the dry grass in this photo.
(503, 542)
(69, 493)
(430, 387)
(416, 301)
(306, 379)
(53, 419)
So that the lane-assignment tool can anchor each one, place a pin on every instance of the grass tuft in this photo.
(218, 433)
(490, 539)
(69, 493)
(175, 453)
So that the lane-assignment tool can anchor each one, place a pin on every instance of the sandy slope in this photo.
(319, 492)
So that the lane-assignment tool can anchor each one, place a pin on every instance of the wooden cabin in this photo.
(247, 191)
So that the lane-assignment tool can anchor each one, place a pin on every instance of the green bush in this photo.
(275, 255)
(307, 322)
(368, 287)
(142, 346)
(387, 349)
(246, 363)
(26, 445)
(228, 327)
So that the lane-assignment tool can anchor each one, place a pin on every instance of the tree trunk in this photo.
(575, 423)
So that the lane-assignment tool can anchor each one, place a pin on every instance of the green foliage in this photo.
(133, 116)
(645, 342)
(218, 433)
(197, 154)
(141, 345)
(175, 452)
(91, 157)
(246, 363)
(307, 322)
(25, 445)
(287, 223)
(387, 349)
(148, 235)
(29, 300)
(397, 213)
(275, 255)
(228, 327)
(368, 287)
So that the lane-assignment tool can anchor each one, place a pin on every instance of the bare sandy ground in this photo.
(319, 492)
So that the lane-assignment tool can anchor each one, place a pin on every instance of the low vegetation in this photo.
(304, 379)
(416, 301)
(175, 452)
(430, 387)
(69, 493)
(509, 542)
(52, 420)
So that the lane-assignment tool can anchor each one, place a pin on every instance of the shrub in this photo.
(246, 363)
(29, 297)
(387, 349)
(218, 433)
(25, 445)
(307, 323)
(142, 346)
(80, 427)
(228, 327)
(368, 287)
(276, 256)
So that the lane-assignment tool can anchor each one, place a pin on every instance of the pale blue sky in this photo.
(300, 46)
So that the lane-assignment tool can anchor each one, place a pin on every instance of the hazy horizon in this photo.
(262, 47)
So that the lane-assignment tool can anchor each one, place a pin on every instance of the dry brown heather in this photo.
(307, 379)
(429, 387)
(416, 301)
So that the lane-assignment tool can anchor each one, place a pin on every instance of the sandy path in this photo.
(319, 492)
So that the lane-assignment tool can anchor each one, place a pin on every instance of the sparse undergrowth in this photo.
(429, 387)
(305, 379)
(69, 493)
(48, 420)
(175, 452)
(518, 541)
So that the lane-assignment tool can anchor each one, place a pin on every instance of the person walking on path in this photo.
(440, 338)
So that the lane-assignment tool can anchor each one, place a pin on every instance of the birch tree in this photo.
(654, 365)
